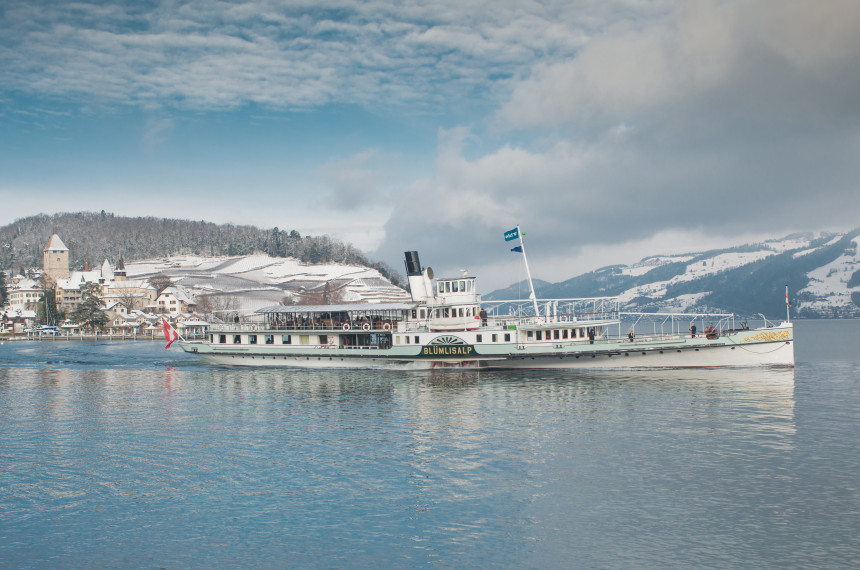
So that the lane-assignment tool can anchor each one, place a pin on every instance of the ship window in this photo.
(252, 339)
(530, 335)
(414, 313)
(441, 287)
(555, 334)
(507, 337)
(223, 339)
(416, 340)
(304, 339)
(462, 286)
(454, 287)
(396, 339)
(286, 339)
(323, 339)
(423, 314)
(539, 335)
(495, 338)
(480, 338)
(461, 311)
(468, 311)
(564, 333)
(270, 339)
(446, 312)
(406, 339)
(237, 339)
(447, 286)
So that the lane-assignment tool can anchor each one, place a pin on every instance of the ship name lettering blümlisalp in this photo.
(448, 351)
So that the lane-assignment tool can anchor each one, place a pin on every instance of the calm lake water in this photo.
(127, 455)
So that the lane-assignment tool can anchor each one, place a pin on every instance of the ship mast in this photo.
(528, 272)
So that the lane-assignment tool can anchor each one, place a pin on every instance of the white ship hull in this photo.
(761, 347)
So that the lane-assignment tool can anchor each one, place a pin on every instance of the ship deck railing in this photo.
(324, 325)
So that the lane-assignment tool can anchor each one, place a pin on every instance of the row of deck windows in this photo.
(478, 338)
(445, 313)
(557, 334)
(494, 338)
(455, 286)
(269, 339)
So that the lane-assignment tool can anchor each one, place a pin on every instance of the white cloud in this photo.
(216, 55)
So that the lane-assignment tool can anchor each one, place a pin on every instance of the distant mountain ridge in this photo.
(93, 237)
(822, 273)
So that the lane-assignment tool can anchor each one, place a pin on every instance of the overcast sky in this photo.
(608, 129)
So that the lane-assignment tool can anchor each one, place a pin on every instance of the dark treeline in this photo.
(95, 237)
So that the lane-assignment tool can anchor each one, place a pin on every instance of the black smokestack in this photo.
(413, 266)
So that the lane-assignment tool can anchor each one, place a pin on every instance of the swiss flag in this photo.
(170, 334)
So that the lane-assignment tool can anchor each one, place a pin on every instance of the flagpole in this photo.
(528, 272)
(787, 306)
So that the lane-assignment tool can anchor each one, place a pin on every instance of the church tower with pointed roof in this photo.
(55, 261)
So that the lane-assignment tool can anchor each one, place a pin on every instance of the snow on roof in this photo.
(107, 270)
(55, 244)
(24, 283)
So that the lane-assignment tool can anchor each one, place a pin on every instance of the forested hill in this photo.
(99, 236)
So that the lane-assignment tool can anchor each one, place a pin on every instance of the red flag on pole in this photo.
(170, 334)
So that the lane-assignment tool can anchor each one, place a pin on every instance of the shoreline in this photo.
(76, 338)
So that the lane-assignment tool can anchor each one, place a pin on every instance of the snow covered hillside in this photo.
(822, 272)
(255, 281)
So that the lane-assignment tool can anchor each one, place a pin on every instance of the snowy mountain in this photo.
(822, 272)
(255, 281)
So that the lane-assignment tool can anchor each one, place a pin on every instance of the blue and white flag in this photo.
(512, 234)
(518, 249)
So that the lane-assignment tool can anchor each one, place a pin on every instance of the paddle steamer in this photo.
(447, 325)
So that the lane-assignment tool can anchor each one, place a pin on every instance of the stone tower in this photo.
(55, 261)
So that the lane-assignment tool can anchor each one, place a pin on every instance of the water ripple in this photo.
(130, 456)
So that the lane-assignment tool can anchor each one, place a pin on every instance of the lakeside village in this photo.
(61, 303)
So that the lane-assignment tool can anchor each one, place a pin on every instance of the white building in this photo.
(23, 293)
(175, 300)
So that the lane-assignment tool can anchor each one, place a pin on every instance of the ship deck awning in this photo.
(341, 308)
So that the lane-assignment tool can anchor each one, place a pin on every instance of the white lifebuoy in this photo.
(386, 327)
(365, 326)
(345, 326)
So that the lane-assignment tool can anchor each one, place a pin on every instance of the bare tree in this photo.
(217, 306)
(160, 282)
(130, 300)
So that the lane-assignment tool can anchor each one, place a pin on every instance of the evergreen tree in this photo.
(46, 310)
(2, 288)
(89, 313)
